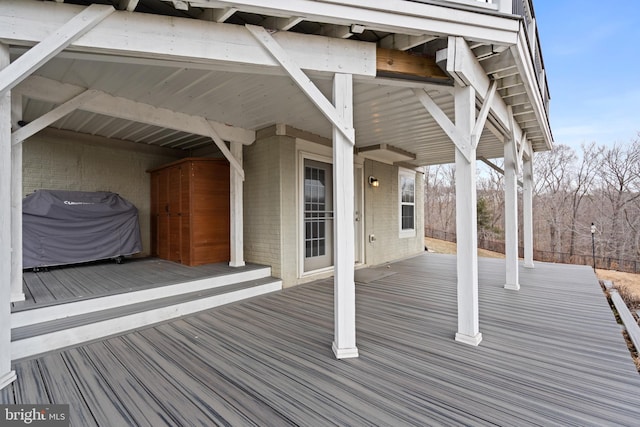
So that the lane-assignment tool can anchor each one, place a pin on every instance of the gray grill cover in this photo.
(66, 227)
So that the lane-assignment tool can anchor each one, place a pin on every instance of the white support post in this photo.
(511, 214)
(466, 222)
(237, 219)
(527, 208)
(6, 374)
(17, 292)
(344, 344)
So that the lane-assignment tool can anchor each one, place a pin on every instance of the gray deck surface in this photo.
(84, 281)
(552, 355)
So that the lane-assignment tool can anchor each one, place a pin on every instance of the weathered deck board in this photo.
(551, 354)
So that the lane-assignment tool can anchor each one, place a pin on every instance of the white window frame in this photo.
(409, 232)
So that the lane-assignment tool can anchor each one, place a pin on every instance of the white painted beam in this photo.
(128, 5)
(403, 41)
(466, 224)
(47, 48)
(464, 67)
(344, 343)
(41, 88)
(140, 37)
(302, 80)
(6, 374)
(237, 218)
(461, 141)
(395, 16)
(527, 210)
(511, 215)
(56, 114)
(17, 292)
(221, 15)
(282, 24)
(337, 31)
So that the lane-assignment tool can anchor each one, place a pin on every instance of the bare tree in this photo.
(440, 197)
(581, 185)
(620, 175)
(553, 180)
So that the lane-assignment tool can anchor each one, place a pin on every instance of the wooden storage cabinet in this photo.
(190, 218)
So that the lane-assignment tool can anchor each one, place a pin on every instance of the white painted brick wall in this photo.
(56, 163)
(262, 204)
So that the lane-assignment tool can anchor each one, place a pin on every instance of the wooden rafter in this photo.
(396, 63)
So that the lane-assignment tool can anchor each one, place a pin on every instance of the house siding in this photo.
(271, 211)
(382, 216)
(269, 205)
(58, 162)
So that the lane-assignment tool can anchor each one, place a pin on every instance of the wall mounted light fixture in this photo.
(373, 181)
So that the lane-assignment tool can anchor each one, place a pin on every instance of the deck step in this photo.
(38, 338)
(52, 311)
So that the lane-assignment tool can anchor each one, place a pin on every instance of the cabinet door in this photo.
(174, 213)
(166, 213)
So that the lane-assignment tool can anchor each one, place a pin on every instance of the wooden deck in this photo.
(64, 284)
(552, 354)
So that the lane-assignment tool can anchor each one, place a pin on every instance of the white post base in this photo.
(467, 339)
(512, 286)
(7, 379)
(529, 265)
(344, 353)
(18, 297)
(236, 264)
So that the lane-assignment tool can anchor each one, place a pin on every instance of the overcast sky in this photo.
(591, 51)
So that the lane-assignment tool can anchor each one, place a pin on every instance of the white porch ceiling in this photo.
(384, 113)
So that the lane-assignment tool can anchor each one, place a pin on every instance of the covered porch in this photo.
(552, 354)
(209, 87)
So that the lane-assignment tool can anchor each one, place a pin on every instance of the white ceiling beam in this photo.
(54, 115)
(40, 88)
(221, 15)
(464, 67)
(49, 46)
(141, 36)
(302, 80)
(285, 24)
(128, 5)
(393, 16)
(460, 140)
(404, 41)
(337, 31)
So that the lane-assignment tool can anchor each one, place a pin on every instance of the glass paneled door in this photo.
(318, 215)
